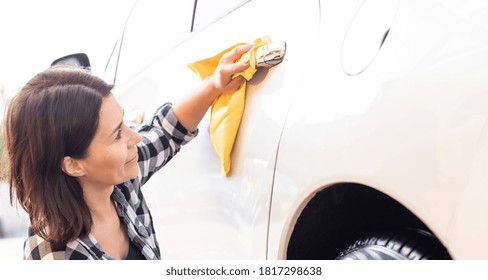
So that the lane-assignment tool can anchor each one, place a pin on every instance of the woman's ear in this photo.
(72, 167)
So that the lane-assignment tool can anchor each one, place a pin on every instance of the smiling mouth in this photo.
(132, 159)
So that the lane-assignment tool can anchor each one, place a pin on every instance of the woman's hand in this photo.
(191, 109)
(221, 80)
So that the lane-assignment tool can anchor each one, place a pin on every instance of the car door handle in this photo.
(270, 55)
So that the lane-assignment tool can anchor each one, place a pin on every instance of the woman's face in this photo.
(112, 155)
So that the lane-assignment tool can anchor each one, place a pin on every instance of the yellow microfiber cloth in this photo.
(228, 108)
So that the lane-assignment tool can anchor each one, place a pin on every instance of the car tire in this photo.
(403, 245)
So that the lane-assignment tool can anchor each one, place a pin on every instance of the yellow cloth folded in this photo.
(228, 108)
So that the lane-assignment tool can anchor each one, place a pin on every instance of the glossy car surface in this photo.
(375, 122)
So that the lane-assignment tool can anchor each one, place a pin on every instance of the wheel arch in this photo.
(333, 216)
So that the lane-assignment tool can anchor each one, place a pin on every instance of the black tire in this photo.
(404, 245)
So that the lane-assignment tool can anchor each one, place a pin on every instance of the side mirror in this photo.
(77, 59)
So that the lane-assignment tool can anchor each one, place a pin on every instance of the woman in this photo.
(77, 169)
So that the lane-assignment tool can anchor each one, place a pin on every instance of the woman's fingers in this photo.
(228, 66)
(239, 66)
(230, 62)
(226, 71)
(236, 53)
(235, 83)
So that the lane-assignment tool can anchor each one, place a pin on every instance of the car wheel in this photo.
(403, 245)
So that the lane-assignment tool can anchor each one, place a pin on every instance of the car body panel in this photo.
(412, 125)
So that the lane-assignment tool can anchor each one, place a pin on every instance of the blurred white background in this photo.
(34, 33)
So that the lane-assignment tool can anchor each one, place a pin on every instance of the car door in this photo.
(198, 212)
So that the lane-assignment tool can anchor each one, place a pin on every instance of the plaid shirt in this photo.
(162, 138)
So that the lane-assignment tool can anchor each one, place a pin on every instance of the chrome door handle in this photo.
(271, 54)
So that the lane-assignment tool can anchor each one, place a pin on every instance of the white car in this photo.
(369, 140)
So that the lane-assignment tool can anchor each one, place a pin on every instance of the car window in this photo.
(155, 26)
(152, 29)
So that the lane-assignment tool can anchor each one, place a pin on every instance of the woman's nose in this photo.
(134, 138)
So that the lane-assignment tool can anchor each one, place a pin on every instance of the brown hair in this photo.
(54, 115)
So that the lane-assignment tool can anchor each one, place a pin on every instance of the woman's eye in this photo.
(119, 134)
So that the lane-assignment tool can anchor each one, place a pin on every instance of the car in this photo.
(368, 141)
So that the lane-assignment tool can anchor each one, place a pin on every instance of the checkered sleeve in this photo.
(162, 138)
